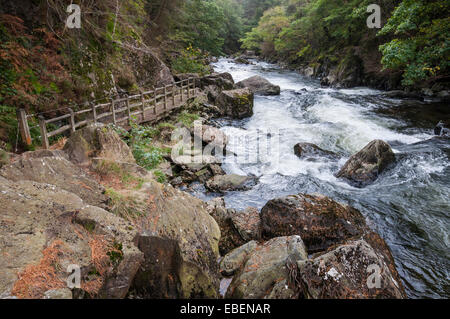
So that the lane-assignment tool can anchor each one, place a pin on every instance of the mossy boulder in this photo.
(52, 167)
(179, 228)
(97, 140)
(320, 221)
(231, 182)
(236, 103)
(259, 85)
(364, 167)
(266, 270)
(361, 268)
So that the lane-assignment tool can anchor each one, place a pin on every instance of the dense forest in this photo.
(120, 45)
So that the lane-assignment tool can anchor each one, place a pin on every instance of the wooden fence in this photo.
(144, 107)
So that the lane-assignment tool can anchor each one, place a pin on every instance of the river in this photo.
(408, 205)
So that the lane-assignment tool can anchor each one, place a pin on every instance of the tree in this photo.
(421, 44)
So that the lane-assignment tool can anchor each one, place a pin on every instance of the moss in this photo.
(160, 176)
(187, 118)
(4, 158)
(116, 254)
(123, 205)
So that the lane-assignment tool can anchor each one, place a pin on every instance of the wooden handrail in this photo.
(167, 94)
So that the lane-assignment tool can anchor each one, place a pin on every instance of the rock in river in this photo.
(236, 103)
(320, 221)
(259, 85)
(309, 150)
(232, 182)
(364, 167)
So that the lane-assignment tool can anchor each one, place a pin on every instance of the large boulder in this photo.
(232, 182)
(247, 223)
(360, 268)
(229, 235)
(241, 60)
(45, 229)
(320, 221)
(236, 103)
(265, 271)
(259, 85)
(364, 167)
(215, 83)
(180, 241)
(52, 167)
(309, 150)
(97, 140)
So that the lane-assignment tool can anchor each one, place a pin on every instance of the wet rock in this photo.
(267, 270)
(241, 60)
(59, 230)
(97, 141)
(364, 167)
(400, 94)
(441, 130)
(247, 223)
(235, 259)
(320, 221)
(221, 81)
(309, 150)
(259, 85)
(236, 103)
(186, 237)
(230, 237)
(362, 268)
(57, 171)
(232, 182)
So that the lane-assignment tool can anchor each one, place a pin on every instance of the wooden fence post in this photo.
(181, 91)
(94, 112)
(154, 101)
(44, 136)
(188, 93)
(165, 97)
(72, 121)
(173, 95)
(128, 108)
(143, 106)
(113, 109)
(23, 126)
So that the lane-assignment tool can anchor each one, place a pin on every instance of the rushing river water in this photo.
(408, 205)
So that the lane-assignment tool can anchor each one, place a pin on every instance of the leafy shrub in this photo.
(190, 61)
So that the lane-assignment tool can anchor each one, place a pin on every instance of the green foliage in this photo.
(190, 61)
(124, 206)
(187, 118)
(139, 139)
(212, 26)
(421, 47)
(160, 176)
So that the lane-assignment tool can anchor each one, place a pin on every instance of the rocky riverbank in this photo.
(90, 205)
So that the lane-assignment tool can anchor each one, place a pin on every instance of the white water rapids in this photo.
(409, 205)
